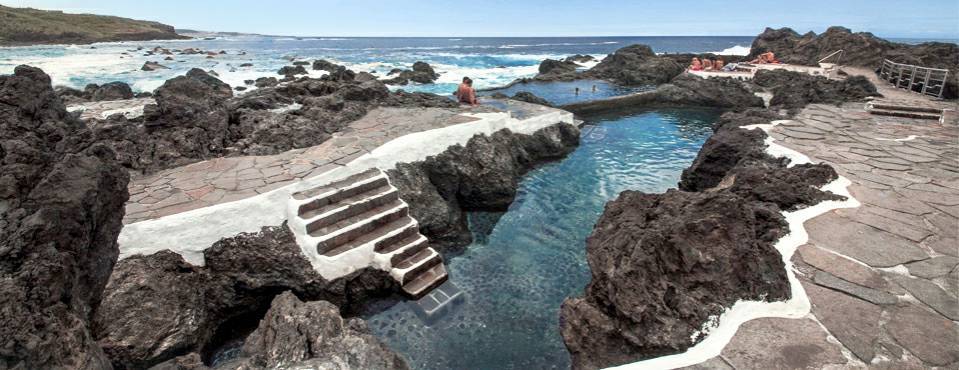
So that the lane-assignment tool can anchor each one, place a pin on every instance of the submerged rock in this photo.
(635, 65)
(61, 205)
(530, 98)
(480, 176)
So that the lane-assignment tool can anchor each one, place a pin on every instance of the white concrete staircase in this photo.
(360, 221)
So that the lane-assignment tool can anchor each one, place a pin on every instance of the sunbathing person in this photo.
(718, 64)
(696, 65)
(465, 93)
(771, 58)
(707, 64)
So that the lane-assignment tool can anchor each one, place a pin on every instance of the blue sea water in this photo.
(491, 62)
(526, 261)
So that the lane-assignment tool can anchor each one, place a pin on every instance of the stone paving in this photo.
(882, 278)
(228, 179)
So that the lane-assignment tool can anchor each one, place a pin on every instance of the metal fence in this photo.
(928, 81)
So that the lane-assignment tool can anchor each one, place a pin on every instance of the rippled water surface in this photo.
(526, 261)
(565, 92)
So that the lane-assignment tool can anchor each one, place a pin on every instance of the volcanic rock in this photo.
(664, 264)
(158, 307)
(688, 89)
(153, 66)
(323, 65)
(794, 90)
(292, 70)
(111, 91)
(266, 82)
(556, 70)
(422, 73)
(530, 98)
(297, 334)
(61, 205)
(859, 49)
(481, 176)
(635, 65)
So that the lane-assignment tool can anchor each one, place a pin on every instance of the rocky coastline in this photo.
(663, 265)
(27, 26)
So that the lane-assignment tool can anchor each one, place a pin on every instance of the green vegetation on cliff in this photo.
(26, 26)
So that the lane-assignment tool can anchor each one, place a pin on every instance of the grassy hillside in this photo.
(25, 26)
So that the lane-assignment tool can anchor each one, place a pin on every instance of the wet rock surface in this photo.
(422, 73)
(480, 176)
(859, 49)
(664, 264)
(61, 205)
(158, 307)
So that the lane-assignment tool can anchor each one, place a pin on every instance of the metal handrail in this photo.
(840, 52)
(911, 77)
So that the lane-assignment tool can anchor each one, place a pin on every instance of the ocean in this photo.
(490, 62)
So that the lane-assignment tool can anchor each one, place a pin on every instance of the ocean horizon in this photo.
(489, 61)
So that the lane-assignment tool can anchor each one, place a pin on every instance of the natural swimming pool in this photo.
(523, 263)
(564, 92)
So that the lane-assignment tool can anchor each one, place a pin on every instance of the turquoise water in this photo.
(526, 261)
(565, 92)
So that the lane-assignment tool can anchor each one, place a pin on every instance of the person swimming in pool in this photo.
(465, 93)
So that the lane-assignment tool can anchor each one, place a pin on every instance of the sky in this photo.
(885, 18)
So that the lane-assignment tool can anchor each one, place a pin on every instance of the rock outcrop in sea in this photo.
(635, 65)
(61, 205)
(422, 73)
(481, 176)
(665, 265)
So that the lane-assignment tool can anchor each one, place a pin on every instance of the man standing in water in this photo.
(465, 93)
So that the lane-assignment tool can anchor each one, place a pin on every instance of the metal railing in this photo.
(923, 80)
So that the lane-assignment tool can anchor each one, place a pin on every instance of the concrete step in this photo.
(344, 231)
(415, 258)
(908, 108)
(386, 231)
(426, 281)
(439, 302)
(905, 114)
(349, 207)
(341, 183)
(335, 195)
(408, 247)
(415, 268)
(394, 242)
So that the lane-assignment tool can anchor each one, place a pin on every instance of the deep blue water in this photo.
(522, 266)
(491, 62)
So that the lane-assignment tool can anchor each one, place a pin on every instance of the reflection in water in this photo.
(524, 262)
